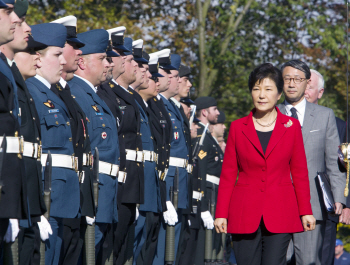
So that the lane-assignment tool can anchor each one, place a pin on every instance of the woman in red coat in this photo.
(270, 200)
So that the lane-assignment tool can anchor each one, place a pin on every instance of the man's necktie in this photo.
(294, 113)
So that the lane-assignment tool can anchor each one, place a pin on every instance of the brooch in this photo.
(288, 124)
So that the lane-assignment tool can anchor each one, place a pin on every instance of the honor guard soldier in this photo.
(101, 126)
(153, 219)
(13, 199)
(56, 134)
(178, 161)
(208, 167)
(29, 236)
(132, 192)
(157, 107)
(74, 227)
(148, 223)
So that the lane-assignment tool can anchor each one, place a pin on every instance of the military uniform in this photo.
(103, 135)
(74, 227)
(209, 165)
(13, 203)
(29, 236)
(178, 159)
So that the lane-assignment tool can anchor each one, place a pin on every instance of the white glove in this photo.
(170, 216)
(45, 228)
(207, 220)
(12, 231)
(137, 214)
(90, 220)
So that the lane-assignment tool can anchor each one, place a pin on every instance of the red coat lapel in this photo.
(277, 133)
(250, 132)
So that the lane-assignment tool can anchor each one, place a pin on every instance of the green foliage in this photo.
(239, 35)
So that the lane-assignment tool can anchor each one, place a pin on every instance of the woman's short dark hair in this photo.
(266, 70)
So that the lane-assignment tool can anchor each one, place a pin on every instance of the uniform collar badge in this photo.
(49, 104)
(95, 108)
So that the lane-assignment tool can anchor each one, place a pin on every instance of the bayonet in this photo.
(2, 160)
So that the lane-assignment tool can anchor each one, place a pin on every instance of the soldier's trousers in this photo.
(72, 243)
(160, 252)
(146, 237)
(29, 245)
(188, 244)
(54, 243)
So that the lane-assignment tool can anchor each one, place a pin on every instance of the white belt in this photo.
(133, 155)
(150, 156)
(178, 162)
(213, 179)
(197, 195)
(14, 145)
(32, 150)
(122, 176)
(59, 160)
(189, 168)
(87, 159)
(108, 168)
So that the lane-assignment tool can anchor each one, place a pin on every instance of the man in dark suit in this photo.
(321, 142)
(313, 93)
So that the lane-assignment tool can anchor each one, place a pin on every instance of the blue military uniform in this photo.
(148, 222)
(56, 138)
(103, 134)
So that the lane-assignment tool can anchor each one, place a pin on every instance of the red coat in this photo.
(264, 187)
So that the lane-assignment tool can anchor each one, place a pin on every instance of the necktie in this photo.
(294, 113)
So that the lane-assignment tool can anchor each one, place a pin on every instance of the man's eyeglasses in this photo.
(297, 80)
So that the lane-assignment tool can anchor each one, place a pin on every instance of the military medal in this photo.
(49, 104)
(104, 135)
(176, 135)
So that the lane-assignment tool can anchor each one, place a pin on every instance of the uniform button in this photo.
(34, 118)
(262, 190)
(263, 180)
(37, 139)
(68, 123)
(263, 169)
(162, 163)
(76, 144)
(31, 99)
(103, 125)
(57, 122)
(70, 139)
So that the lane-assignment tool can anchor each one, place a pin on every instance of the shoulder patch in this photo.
(202, 154)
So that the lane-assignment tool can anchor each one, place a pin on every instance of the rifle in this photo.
(89, 246)
(198, 145)
(47, 199)
(2, 160)
(208, 241)
(10, 249)
(170, 230)
(212, 212)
